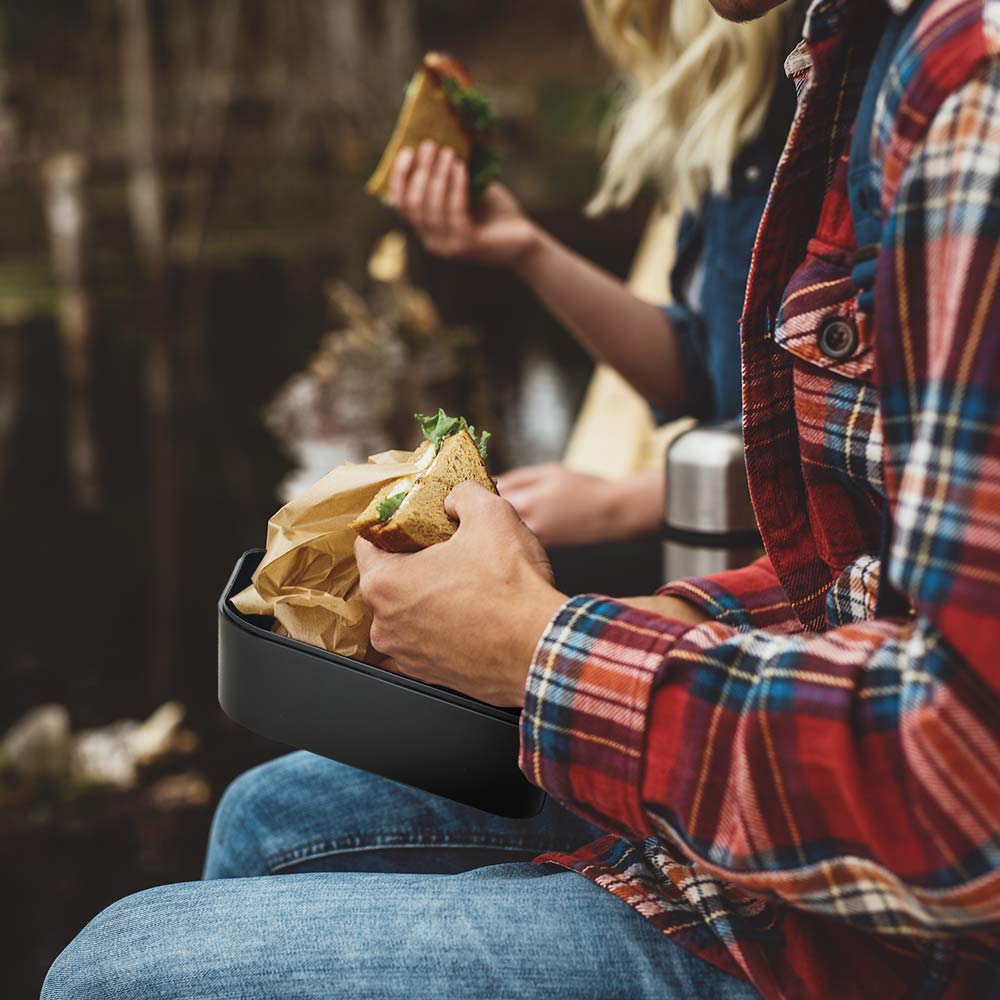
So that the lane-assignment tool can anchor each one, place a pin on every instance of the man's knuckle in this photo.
(481, 492)
(378, 637)
(475, 495)
(373, 587)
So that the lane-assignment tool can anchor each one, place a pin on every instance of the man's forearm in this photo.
(651, 727)
(674, 608)
(611, 323)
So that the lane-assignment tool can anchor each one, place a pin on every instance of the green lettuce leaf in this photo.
(389, 505)
(472, 104)
(484, 168)
(440, 426)
(436, 429)
(474, 107)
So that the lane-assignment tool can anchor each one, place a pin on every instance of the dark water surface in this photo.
(77, 583)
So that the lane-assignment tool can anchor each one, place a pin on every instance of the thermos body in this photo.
(709, 524)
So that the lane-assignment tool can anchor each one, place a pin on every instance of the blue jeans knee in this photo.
(113, 957)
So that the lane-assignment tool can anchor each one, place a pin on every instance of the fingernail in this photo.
(427, 148)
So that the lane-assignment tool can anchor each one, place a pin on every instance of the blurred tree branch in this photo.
(144, 188)
(400, 45)
(215, 77)
(146, 208)
(8, 126)
(64, 211)
(11, 390)
(345, 32)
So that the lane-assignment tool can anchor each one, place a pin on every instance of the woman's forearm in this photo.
(610, 322)
(638, 501)
(430, 189)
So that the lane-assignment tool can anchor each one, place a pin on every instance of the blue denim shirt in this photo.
(719, 238)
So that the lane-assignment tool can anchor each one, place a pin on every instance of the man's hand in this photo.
(429, 187)
(468, 613)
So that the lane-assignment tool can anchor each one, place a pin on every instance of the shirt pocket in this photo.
(819, 320)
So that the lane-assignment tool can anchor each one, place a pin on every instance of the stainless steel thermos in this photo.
(709, 523)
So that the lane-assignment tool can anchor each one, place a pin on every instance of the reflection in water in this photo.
(77, 583)
(221, 196)
(539, 423)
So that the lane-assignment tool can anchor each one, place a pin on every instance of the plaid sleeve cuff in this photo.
(584, 721)
(746, 598)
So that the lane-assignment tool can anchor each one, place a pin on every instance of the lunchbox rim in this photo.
(454, 698)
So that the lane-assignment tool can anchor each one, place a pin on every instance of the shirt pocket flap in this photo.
(819, 320)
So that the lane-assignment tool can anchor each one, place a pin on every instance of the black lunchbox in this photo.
(428, 737)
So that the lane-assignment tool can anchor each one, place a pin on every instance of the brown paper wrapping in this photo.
(308, 579)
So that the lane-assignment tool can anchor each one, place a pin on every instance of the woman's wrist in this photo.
(526, 264)
(638, 502)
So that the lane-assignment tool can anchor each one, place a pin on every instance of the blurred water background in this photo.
(188, 320)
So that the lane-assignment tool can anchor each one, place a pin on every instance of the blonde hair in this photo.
(697, 90)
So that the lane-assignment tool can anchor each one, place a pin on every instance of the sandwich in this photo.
(408, 515)
(442, 105)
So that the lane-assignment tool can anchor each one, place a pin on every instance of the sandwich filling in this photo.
(435, 429)
(473, 109)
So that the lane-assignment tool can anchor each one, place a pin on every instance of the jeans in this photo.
(325, 882)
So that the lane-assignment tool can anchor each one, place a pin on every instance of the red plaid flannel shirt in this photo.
(805, 794)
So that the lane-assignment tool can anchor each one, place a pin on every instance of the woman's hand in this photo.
(429, 187)
(467, 613)
(563, 507)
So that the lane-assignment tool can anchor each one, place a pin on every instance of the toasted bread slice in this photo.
(426, 114)
(421, 520)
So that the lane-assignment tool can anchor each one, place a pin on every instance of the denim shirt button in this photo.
(838, 337)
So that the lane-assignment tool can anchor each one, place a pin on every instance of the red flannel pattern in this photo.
(802, 793)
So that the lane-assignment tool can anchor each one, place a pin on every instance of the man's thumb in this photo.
(467, 499)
